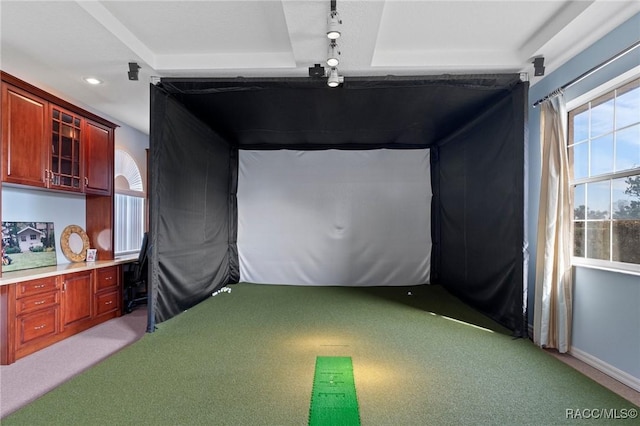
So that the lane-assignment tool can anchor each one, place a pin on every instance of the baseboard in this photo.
(621, 376)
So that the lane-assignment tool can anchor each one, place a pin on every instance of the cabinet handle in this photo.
(108, 278)
(86, 181)
(40, 327)
(47, 173)
(39, 286)
(109, 302)
(41, 302)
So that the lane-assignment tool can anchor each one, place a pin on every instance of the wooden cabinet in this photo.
(98, 158)
(37, 308)
(49, 143)
(37, 313)
(107, 291)
(65, 170)
(77, 294)
(24, 131)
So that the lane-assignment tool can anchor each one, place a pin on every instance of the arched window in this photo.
(129, 202)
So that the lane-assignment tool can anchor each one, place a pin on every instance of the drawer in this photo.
(29, 288)
(37, 325)
(107, 302)
(106, 278)
(39, 301)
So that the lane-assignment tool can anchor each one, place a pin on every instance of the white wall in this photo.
(31, 205)
(606, 304)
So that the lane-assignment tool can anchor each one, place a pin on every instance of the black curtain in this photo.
(193, 209)
(478, 183)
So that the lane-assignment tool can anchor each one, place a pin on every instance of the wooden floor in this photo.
(608, 382)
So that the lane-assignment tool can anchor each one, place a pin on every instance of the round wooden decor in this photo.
(66, 249)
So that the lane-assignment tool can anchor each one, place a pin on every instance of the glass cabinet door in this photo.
(65, 150)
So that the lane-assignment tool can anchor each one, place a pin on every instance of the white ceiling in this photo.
(54, 44)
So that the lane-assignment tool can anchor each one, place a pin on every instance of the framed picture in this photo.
(91, 255)
(27, 245)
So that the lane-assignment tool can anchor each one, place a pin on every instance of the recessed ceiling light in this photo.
(93, 80)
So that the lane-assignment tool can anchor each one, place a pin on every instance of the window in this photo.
(129, 205)
(604, 161)
(33, 237)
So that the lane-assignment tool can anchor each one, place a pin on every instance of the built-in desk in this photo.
(41, 306)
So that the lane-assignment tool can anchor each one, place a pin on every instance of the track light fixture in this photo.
(333, 32)
(333, 24)
(332, 57)
(133, 71)
(334, 79)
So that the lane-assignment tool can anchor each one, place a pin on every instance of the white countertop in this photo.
(50, 271)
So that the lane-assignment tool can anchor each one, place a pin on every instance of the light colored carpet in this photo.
(34, 375)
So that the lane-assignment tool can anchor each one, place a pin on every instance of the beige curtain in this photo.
(553, 294)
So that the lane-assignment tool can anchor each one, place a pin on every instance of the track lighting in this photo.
(334, 79)
(332, 57)
(333, 25)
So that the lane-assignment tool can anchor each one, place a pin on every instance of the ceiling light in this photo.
(332, 58)
(333, 25)
(334, 79)
(93, 80)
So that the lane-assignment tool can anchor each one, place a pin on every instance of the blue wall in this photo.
(601, 298)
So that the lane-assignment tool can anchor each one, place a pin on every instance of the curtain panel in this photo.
(553, 287)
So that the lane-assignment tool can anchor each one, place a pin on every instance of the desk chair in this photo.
(135, 278)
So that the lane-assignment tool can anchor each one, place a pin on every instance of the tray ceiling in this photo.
(54, 45)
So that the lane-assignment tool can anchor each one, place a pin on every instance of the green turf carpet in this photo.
(333, 398)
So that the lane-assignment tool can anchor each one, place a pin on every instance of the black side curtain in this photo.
(193, 209)
(478, 180)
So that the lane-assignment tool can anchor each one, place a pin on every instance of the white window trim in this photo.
(606, 265)
(618, 81)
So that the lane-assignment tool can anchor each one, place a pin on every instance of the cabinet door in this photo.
(98, 151)
(107, 278)
(66, 160)
(76, 297)
(24, 137)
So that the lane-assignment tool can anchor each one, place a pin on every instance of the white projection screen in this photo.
(334, 217)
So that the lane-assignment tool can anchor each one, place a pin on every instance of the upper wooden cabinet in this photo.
(25, 120)
(49, 143)
(65, 170)
(98, 158)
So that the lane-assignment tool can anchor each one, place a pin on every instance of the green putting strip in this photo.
(333, 398)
